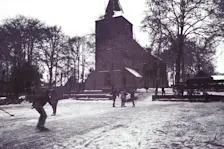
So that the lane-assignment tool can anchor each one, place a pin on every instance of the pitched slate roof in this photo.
(133, 72)
(113, 5)
(202, 74)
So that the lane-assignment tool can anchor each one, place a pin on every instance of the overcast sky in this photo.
(77, 17)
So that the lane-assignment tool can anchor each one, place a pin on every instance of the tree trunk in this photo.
(61, 78)
(78, 71)
(183, 69)
(179, 57)
(82, 76)
(56, 71)
(31, 52)
(51, 77)
(177, 78)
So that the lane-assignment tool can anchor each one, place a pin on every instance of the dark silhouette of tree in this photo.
(196, 57)
(82, 49)
(26, 78)
(219, 15)
(170, 23)
(19, 37)
(26, 41)
(76, 48)
(52, 50)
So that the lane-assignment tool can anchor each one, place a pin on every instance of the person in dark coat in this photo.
(206, 95)
(156, 91)
(123, 98)
(114, 94)
(163, 91)
(38, 104)
(54, 101)
(133, 97)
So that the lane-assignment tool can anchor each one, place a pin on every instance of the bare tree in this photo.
(169, 23)
(82, 49)
(88, 54)
(81, 56)
(219, 15)
(75, 47)
(19, 38)
(52, 50)
(198, 54)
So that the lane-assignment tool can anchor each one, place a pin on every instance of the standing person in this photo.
(114, 94)
(206, 95)
(163, 91)
(123, 98)
(38, 104)
(54, 101)
(156, 91)
(133, 97)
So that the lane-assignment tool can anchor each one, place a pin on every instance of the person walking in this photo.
(133, 97)
(54, 101)
(163, 91)
(156, 91)
(114, 94)
(123, 98)
(206, 95)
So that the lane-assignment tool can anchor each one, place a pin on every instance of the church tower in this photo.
(119, 58)
(111, 27)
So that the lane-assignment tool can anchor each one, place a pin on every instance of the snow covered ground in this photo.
(96, 125)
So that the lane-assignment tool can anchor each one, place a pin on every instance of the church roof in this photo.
(202, 74)
(200, 77)
(113, 5)
(133, 72)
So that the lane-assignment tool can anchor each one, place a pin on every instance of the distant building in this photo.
(120, 61)
(72, 85)
(218, 77)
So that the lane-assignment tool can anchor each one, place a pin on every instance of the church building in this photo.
(120, 61)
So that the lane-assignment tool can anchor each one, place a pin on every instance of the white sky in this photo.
(77, 17)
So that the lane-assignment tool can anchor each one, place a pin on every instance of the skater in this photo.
(38, 104)
(133, 97)
(163, 91)
(114, 94)
(123, 98)
(206, 95)
(156, 91)
(54, 101)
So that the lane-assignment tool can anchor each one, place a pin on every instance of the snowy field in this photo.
(96, 125)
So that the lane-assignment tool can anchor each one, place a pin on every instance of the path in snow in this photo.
(96, 125)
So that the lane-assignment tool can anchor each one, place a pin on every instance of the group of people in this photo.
(123, 94)
(162, 89)
(50, 96)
